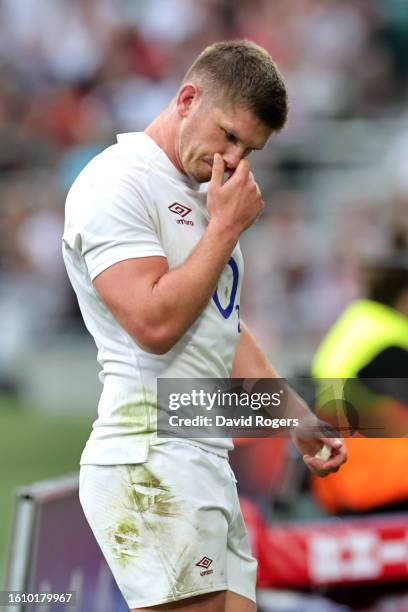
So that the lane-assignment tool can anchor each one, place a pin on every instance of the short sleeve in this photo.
(116, 223)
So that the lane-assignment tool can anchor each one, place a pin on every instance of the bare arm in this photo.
(251, 362)
(156, 305)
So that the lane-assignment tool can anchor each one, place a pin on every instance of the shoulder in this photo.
(114, 177)
(113, 166)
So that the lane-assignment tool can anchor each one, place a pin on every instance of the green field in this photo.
(34, 447)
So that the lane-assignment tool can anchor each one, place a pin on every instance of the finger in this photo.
(258, 191)
(218, 168)
(337, 448)
(243, 169)
(331, 464)
(318, 464)
(318, 468)
(315, 469)
(334, 443)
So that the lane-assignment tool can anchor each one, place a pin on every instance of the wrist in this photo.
(297, 407)
(223, 232)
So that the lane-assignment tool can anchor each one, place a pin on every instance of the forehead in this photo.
(242, 123)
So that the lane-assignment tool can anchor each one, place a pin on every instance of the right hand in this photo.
(237, 203)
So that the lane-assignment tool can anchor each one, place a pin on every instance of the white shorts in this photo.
(171, 527)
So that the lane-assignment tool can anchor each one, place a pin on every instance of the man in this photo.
(156, 265)
(368, 345)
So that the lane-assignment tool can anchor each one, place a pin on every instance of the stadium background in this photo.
(73, 73)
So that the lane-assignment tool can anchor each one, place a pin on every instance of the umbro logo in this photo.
(205, 562)
(182, 211)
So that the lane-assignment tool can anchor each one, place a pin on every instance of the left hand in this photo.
(310, 445)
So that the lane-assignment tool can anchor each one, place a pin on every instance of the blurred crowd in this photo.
(73, 73)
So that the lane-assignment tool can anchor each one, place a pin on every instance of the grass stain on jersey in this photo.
(140, 413)
(137, 414)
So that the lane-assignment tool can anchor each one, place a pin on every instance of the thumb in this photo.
(217, 176)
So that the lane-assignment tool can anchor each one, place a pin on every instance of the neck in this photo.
(164, 131)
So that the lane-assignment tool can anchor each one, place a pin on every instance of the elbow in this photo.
(157, 348)
(156, 340)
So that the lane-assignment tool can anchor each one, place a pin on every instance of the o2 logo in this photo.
(231, 306)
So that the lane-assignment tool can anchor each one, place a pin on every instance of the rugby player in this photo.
(149, 252)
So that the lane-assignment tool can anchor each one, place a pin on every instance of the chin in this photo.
(203, 178)
(201, 175)
(205, 173)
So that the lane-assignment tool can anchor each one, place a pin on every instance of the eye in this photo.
(230, 137)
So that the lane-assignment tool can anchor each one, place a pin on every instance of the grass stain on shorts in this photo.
(150, 506)
(149, 494)
(126, 538)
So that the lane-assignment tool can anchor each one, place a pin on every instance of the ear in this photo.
(188, 95)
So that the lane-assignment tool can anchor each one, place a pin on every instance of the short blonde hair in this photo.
(243, 73)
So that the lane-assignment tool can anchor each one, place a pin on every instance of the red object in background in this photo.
(332, 552)
(60, 117)
(257, 530)
(67, 117)
(259, 464)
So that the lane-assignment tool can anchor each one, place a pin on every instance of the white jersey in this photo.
(130, 201)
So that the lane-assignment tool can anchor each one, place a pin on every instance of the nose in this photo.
(233, 156)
